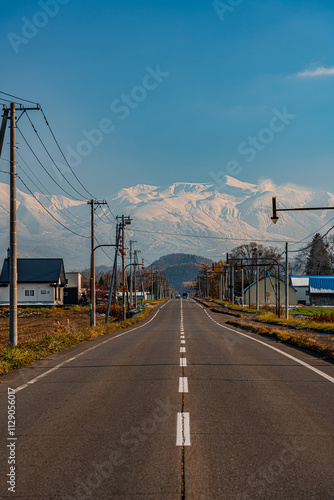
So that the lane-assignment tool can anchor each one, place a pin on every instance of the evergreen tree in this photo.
(318, 261)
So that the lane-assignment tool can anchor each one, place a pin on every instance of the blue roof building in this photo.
(314, 290)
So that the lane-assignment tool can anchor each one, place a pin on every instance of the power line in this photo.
(19, 98)
(69, 217)
(111, 212)
(313, 242)
(48, 192)
(63, 225)
(104, 222)
(314, 232)
(49, 155)
(41, 164)
(105, 253)
(226, 238)
(62, 153)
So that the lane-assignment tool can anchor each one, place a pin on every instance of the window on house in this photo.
(43, 292)
(29, 293)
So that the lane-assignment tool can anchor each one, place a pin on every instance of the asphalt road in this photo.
(181, 406)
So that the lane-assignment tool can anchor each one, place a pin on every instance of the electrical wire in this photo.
(314, 232)
(62, 153)
(48, 192)
(226, 238)
(19, 98)
(313, 242)
(63, 225)
(41, 164)
(111, 212)
(72, 220)
(105, 253)
(49, 155)
(104, 222)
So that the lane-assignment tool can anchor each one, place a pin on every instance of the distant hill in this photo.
(181, 269)
(174, 259)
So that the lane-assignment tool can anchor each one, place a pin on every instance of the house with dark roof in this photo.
(314, 290)
(39, 281)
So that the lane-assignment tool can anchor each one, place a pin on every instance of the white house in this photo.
(39, 281)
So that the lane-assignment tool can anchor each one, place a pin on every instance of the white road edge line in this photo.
(299, 361)
(183, 429)
(80, 354)
(183, 384)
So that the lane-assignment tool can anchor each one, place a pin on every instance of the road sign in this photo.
(267, 294)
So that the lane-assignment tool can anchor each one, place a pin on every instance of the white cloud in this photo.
(321, 71)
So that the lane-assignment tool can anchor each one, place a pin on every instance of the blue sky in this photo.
(225, 78)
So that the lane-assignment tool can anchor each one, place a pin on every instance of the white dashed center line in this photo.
(183, 384)
(183, 362)
(183, 429)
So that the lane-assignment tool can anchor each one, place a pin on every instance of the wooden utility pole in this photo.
(92, 204)
(12, 264)
(287, 279)
(131, 272)
(257, 281)
(125, 221)
(113, 281)
(13, 234)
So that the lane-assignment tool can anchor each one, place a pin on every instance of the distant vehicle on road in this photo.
(185, 295)
(177, 296)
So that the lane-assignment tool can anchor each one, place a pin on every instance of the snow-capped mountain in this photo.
(193, 218)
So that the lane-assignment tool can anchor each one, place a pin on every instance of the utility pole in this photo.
(13, 234)
(232, 283)
(12, 213)
(113, 291)
(123, 271)
(242, 285)
(92, 204)
(287, 279)
(125, 221)
(257, 282)
(131, 273)
(136, 264)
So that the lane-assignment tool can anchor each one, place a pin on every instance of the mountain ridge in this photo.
(208, 220)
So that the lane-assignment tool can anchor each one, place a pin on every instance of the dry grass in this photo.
(304, 339)
(60, 339)
(298, 324)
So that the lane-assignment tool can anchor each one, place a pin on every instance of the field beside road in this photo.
(35, 323)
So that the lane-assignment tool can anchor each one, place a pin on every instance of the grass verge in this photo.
(298, 324)
(27, 352)
(299, 339)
